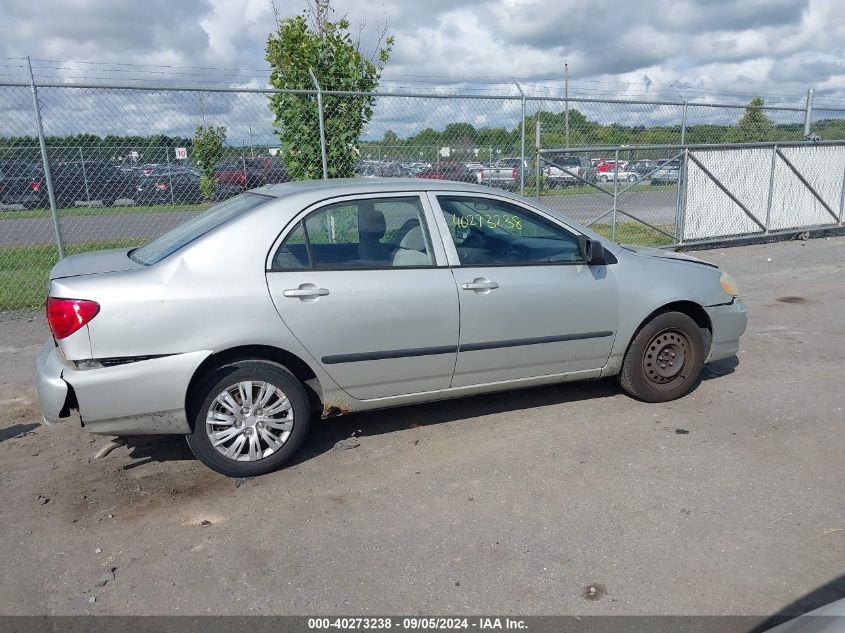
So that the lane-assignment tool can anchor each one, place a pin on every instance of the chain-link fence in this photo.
(119, 165)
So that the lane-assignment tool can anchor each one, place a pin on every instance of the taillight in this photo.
(66, 316)
(35, 186)
(161, 186)
(513, 174)
(242, 178)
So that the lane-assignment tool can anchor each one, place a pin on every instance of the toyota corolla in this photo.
(323, 298)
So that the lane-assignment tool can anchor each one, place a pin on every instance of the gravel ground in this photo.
(729, 501)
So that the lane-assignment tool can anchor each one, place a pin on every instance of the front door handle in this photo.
(480, 285)
(306, 291)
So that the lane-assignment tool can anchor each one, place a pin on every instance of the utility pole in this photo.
(566, 97)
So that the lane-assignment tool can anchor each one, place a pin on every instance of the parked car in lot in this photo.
(22, 183)
(176, 185)
(246, 173)
(325, 298)
(88, 181)
(619, 173)
(564, 171)
(504, 174)
(448, 171)
(608, 165)
(666, 173)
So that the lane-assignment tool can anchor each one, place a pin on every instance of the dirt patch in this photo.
(792, 299)
(19, 410)
(594, 591)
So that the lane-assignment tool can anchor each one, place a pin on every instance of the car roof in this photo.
(353, 186)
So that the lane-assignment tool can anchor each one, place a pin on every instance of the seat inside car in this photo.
(412, 249)
(371, 228)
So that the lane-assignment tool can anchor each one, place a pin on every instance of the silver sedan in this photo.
(323, 298)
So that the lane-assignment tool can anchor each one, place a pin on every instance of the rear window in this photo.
(196, 227)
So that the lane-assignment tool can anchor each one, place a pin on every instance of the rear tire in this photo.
(665, 359)
(251, 435)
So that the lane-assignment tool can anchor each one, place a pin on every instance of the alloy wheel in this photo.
(249, 420)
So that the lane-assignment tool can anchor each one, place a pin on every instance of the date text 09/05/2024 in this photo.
(417, 623)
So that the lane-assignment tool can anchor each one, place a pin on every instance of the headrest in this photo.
(414, 240)
(371, 223)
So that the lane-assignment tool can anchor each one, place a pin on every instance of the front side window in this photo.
(367, 233)
(491, 232)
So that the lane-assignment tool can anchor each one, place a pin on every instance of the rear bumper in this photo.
(52, 389)
(146, 397)
(729, 322)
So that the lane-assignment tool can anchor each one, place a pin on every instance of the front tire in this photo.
(248, 418)
(665, 359)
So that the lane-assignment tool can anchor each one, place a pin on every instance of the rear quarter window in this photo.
(172, 241)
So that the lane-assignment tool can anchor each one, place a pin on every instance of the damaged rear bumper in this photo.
(145, 397)
(52, 389)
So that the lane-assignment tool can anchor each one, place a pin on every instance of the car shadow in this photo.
(819, 597)
(16, 430)
(325, 434)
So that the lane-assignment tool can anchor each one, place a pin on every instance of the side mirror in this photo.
(591, 250)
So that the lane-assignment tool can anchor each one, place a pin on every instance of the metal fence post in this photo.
(615, 195)
(842, 198)
(684, 123)
(537, 146)
(771, 189)
(170, 175)
(681, 169)
(323, 150)
(84, 177)
(808, 113)
(522, 151)
(36, 107)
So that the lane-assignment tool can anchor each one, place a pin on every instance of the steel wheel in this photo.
(665, 361)
(249, 420)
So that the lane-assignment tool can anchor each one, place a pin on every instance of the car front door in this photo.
(529, 304)
(369, 294)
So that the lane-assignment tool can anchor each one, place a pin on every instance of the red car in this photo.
(610, 165)
(246, 173)
(449, 171)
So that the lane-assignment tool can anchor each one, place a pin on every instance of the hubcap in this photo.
(249, 421)
(665, 358)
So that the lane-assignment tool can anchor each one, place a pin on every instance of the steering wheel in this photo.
(516, 252)
(474, 239)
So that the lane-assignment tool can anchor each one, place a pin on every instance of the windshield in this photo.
(196, 227)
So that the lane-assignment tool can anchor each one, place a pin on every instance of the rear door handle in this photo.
(306, 291)
(480, 284)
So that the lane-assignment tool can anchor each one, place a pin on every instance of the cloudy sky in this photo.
(710, 50)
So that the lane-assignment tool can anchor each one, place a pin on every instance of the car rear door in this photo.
(369, 294)
(529, 304)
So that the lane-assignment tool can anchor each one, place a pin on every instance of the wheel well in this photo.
(295, 365)
(693, 310)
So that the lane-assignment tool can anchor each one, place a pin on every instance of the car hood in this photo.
(110, 261)
(659, 253)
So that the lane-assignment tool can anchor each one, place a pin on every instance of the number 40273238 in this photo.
(494, 221)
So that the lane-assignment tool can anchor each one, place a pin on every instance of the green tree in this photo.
(208, 150)
(754, 124)
(313, 42)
